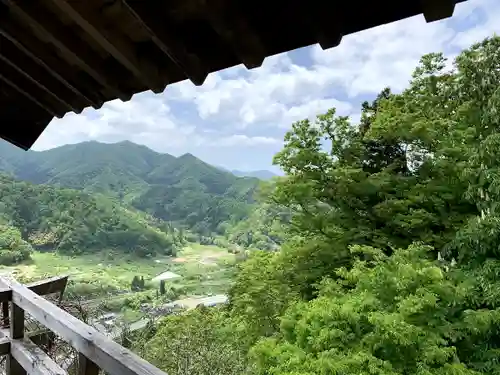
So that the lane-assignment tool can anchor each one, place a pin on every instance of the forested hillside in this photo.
(72, 222)
(183, 190)
(390, 263)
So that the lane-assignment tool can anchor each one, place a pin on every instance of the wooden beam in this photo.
(5, 310)
(51, 285)
(41, 287)
(4, 346)
(22, 121)
(166, 39)
(5, 295)
(324, 19)
(86, 366)
(71, 47)
(14, 366)
(36, 74)
(233, 28)
(24, 83)
(435, 10)
(39, 337)
(55, 67)
(112, 42)
(48, 286)
(26, 94)
(17, 321)
(108, 355)
(33, 359)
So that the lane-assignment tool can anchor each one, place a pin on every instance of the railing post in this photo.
(86, 366)
(5, 314)
(16, 332)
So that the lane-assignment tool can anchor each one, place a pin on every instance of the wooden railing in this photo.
(96, 352)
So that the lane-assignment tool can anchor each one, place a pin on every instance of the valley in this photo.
(102, 282)
(378, 254)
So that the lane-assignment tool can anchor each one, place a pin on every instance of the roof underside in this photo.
(60, 56)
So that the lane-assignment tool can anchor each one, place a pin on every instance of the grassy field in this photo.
(203, 269)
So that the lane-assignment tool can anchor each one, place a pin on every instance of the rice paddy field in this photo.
(201, 269)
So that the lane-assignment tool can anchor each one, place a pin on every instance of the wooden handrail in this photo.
(95, 349)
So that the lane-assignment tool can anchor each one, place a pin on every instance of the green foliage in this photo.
(13, 249)
(265, 228)
(387, 315)
(75, 222)
(391, 264)
(202, 342)
(182, 190)
(162, 287)
(138, 283)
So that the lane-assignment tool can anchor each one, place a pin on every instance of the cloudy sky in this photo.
(237, 118)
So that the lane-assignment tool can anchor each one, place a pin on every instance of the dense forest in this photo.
(379, 248)
(184, 191)
(47, 218)
(93, 196)
(389, 262)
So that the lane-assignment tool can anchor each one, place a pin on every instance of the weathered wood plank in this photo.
(86, 366)
(118, 46)
(13, 366)
(47, 286)
(4, 346)
(5, 311)
(41, 337)
(48, 27)
(17, 321)
(108, 355)
(33, 359)
(5, 295)
(164, 37)
(42, 287)
(16, 332)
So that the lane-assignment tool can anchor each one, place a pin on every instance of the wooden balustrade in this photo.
(96, 351)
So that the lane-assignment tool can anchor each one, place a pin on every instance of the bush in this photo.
(13, 249)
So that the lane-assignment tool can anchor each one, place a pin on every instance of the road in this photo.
(187, 303)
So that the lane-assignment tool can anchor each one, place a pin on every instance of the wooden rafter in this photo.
(58, 56)
(229, 22)
(120, 48)
(165, 38)
(31, 72)
(435, 10)
(71, 48)
(53, 66)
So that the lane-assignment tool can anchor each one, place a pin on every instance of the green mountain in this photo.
(260, 174)
(184, 189)
(71, 221)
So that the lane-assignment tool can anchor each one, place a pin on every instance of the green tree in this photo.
(201, 342)
(13, 248)
(401, 314)
(135, 285)
(422, 167)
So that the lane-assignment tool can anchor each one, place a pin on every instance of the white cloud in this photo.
(238, 108)
(244, 140)
(472, 11)
(144, 119)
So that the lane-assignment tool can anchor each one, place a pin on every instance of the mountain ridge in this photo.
(181, 189)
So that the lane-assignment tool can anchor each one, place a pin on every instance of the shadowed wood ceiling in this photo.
(60, 56)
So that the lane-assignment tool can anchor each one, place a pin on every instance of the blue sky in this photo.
(237, 118)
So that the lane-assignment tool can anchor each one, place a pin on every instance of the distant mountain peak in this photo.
(260, 174)
(187, 155)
